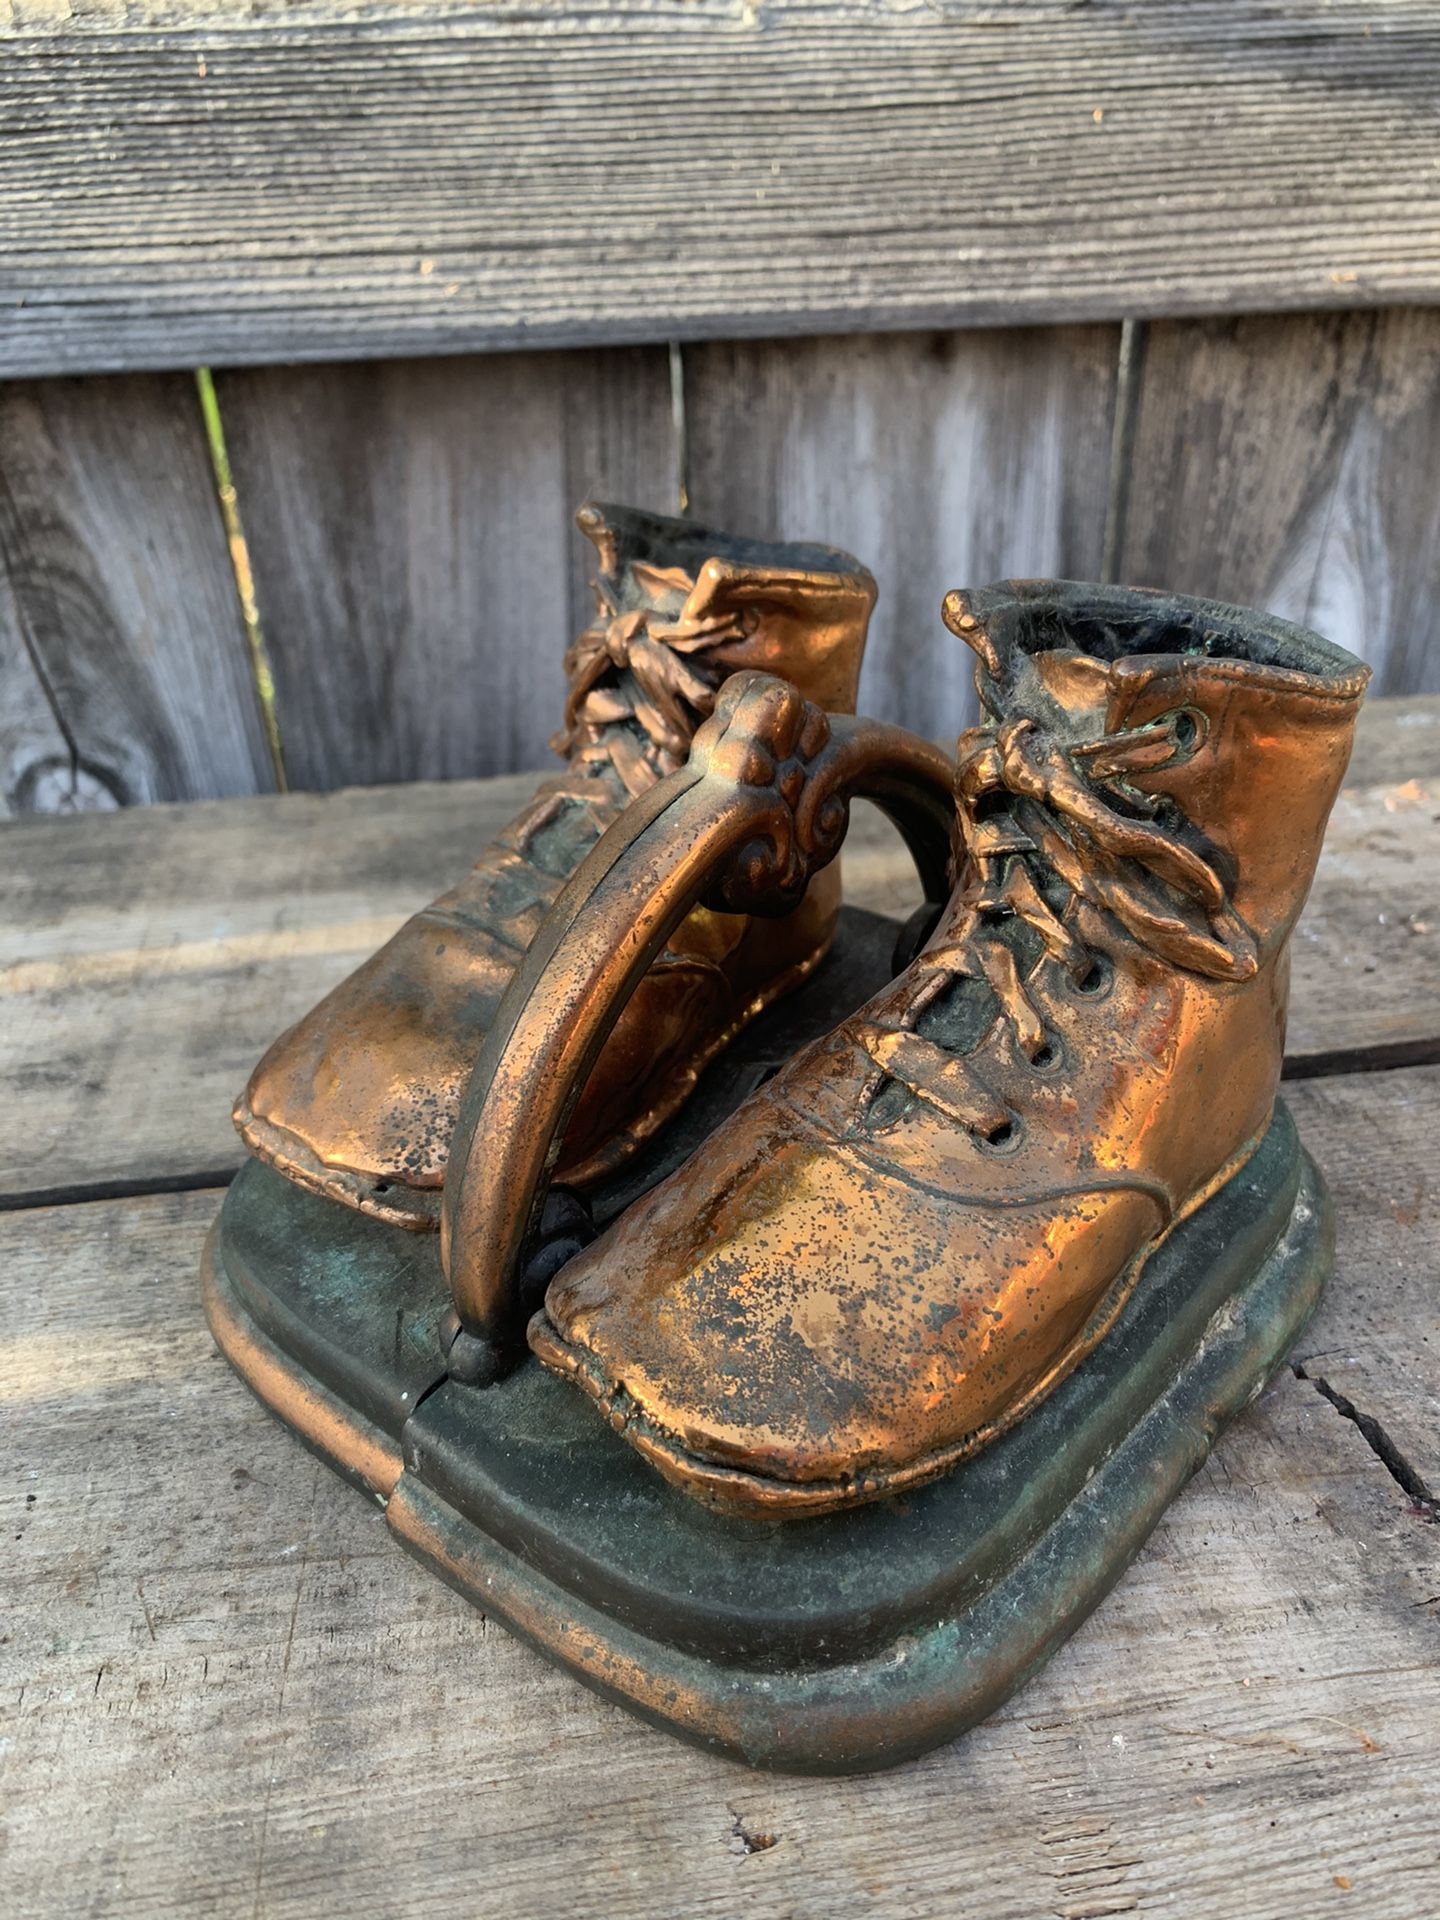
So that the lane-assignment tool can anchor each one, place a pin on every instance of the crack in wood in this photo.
(1424, 1503)
(81, 1192)
(1381, 1057)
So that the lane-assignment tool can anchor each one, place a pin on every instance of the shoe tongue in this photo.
(641, 557)
(642, 585)
(1077, 683)
(1064, 690)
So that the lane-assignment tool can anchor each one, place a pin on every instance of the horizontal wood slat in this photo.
(255, 180)
(1291, 463)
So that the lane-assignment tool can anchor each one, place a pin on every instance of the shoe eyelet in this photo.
(1049, 1059)
(1189, 730)
(1002, 1139)
(1095, 981)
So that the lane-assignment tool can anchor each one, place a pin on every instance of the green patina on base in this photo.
(837, 1644)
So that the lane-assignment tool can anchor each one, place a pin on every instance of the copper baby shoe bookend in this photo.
(850, 1397)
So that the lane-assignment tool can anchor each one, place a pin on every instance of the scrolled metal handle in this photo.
(759, 808)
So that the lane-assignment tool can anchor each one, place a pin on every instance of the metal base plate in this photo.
(831, 1645)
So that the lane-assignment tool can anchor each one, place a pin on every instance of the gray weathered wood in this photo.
(1290, 463)
(255, 180)
(34, 753)
(941, 460)
(146, 960)
(211, 927)
(411, 532)
(1397, 740)
(1387, 1364)
(118, 584)
(227, 1692)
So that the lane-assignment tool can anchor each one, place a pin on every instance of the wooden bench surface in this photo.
(227, 1692)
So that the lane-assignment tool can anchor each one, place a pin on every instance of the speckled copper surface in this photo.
(960, 1281)
(904, 1241)
(358, 1100)
(840, 1644)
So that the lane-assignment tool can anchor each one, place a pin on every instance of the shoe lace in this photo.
(1035, 810)
(639, 684)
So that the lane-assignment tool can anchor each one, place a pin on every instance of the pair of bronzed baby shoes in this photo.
(1052, 1134)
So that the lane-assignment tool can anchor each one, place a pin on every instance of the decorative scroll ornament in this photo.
(765, 739)
(759, 807)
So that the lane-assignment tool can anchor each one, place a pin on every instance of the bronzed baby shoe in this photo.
(910, 1236)
(358, 1101)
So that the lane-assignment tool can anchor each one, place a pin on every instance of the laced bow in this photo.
(640, 666)
(1031, 806)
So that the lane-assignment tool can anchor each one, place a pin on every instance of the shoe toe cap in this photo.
(782, 1326)
(365, 1088)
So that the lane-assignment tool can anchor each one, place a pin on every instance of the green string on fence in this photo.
(244, 578)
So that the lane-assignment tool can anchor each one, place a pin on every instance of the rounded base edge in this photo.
(343, 1438)
(933, 1684)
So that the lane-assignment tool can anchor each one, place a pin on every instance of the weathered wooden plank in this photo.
(1397, 740)
(258, 180)
(34, 753)
(147, 960)
(119, 578)
(228, 1691)
(936, 458)
(145, 969)
(1366, 954)
(1289, 463)
(1384, 1363)
(416, 566)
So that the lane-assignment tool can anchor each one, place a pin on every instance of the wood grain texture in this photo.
(34, 753)
(256, 180)
(1387, 1365)
(1365, 957)
(147, 959)
(1289, 463)
(146, 969)
(118, 585)
(939, 459)
(416, 564)
(228, 1692)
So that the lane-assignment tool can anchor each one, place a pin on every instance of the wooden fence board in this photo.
(1290, 463)
(260, 180)
(941, 460)
(118, 572)
(228, 1692)
(411, 533)
(36, 764)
